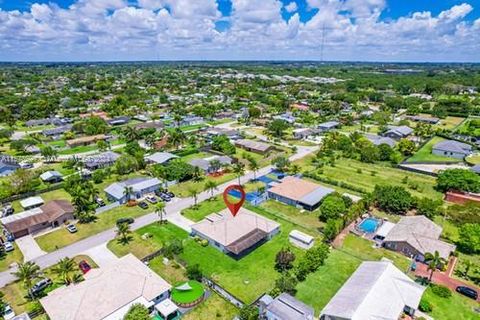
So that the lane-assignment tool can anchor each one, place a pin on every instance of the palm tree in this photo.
(131, 134)
(27, 272)
(239, 170)
(294, 169)
(160, 210)
(211, 186)
(123, 231)
(192, 192)
(215, 164)
(253, 165)
(434, 260)
(127, 192)
(64, 269)
(197, 174)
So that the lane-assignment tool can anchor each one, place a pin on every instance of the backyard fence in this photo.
(223, 292)
(107, 207)
(414, 170)
(31, 193)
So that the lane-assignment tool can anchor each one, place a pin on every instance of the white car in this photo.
(8, 246)
(8, 313)
(152, 199)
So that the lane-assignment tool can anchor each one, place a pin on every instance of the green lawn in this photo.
(215, 307)
(449, 123)
(58, 194)
(189, 296)
(359, 174)
(425, 153)
(204, 208)
(321, 286)
(473, 159)
(61, 238)
(8, 258)
(193, 127)
(171, 272)
(181, 189)
(456, 307)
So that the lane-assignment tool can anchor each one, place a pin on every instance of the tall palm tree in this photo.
(211, 186)
(253, 165)
(27, 272)
(192, 192)
(239, 170)
(123, 231)
(131, 134)
(160, 210)
(197, 174)
(434, 260)
(64, 269)
(127, 192)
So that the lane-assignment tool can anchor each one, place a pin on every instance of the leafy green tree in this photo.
(434, 261)
(385, 152)
(458, 179)
(332, 207)
(287, 282)
(222, 143)
(126, 164)
(393, 199)
(194, 272)
(284, 260)
(137, 312)
(248, 312)
(332, 228)
(428, 207)
(311, 261)
(469, 240)
(26, 273)
(277, 128)
(49, 153)
(406, 147)
(281, 163)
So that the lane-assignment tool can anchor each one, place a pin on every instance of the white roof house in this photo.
(107, 292)
(376, 290)
(160, 157)
(31, 202)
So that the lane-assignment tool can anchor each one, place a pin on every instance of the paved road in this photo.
(171, 209)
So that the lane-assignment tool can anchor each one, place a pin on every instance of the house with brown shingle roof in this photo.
(51, 214)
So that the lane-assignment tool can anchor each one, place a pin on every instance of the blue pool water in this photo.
(369, 225)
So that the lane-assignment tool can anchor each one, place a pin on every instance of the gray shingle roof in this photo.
(453, 146)
(287, 307)
(316, 196)
(378, 140)
(402, 131)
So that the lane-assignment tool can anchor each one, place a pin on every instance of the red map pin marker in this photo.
(234, 207)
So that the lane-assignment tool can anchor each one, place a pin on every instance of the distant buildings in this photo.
(237, 235)
(85, 141)
(253, 146)
(160, 157)
(287, 117)
(102, 160)
(429, 120)
(207, 164)
(299, 193)
(398, 132)
(118, 121)
(452, 149)
(8, 165)
(378, 140)
(327, 126)
(376, 290)
(58, 131)
(134, 188)
(51, 176)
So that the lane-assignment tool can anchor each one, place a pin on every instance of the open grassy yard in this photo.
(425, 153)
(172, 272)
(140, 247)
(456, 307)
(449, 123)
(215, 307)
(16, 294)
(473, 159)
(61, 237)
(181, 189)
(359, 174)
(8, 258)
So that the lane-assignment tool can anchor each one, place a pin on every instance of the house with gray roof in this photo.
(58, 131)
(160, 157)
(327, 126)
(376, 290)
(206, 164)
(452, 149)
(476, 168)
(284, 307)
(101, 160)
(51, 176)
(139, 187)
(118, 121)
(253, 146)
(378, 140)
(414, 236)
(398, 132)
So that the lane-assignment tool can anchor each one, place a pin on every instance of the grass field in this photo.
(60, 238)
(359, 174)
(181, 296)
(449, 123)
(8, 258)
(181, 189)
(425, 153)
(456, 307)
(58, 194)
(473, 159)
(215, 307)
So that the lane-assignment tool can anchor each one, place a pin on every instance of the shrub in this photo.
(425, 306)
(441, 291)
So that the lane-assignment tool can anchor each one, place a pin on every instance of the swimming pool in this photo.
(369, 225)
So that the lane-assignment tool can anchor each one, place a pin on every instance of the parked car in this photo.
(26, 165)
(99, 201)
(7, 210)
(151, 199)
(8, 312)
(84, 266)
(8, 246)
(72, 228)
(8, 235)
(125, 220)
(40, 286)
(468, 292)
(143, 205)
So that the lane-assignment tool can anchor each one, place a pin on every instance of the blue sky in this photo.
(365, 30)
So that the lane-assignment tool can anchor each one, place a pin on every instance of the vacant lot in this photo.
(366, 176)
(425, 153)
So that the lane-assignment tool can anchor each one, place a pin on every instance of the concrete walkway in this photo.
(101, 255)
(29, 247)
(180, 221)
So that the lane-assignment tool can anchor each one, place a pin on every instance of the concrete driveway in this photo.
(101, 255)
(29, 248)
